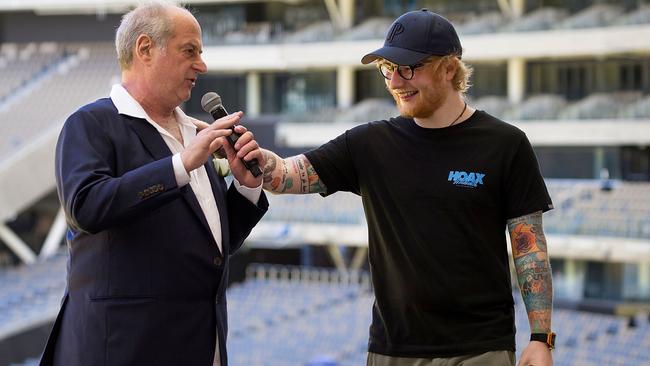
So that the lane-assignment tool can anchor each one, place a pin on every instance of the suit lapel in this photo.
(150, 137)
(219, 197)
(157, 147)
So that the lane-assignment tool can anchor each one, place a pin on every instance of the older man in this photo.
(152, 224)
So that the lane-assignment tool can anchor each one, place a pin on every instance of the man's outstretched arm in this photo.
(535, 281)
(291, 175)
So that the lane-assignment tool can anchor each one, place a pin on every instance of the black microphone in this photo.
(211, 103)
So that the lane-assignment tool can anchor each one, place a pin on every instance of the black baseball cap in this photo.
(415, 36)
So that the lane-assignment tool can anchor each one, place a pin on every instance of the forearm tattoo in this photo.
(315, 184)
(300, 168)
(283, 175)
(276, 174)
(271, 164)
(533, 269)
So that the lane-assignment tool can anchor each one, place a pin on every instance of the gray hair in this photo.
(151, 19)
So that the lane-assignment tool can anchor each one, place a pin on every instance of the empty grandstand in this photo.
(574, 75)
(291, 315)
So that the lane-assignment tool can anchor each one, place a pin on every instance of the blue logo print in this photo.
(465, 179)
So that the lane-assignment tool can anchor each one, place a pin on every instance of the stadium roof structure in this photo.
(572, 43)
(603, 132)
(25, 177)
(99, 6)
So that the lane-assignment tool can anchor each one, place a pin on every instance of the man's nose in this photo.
(200, 66)
(396, 81)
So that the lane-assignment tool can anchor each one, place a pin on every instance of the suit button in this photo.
(217, 261)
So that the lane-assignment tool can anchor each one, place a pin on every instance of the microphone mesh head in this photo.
(210, 101)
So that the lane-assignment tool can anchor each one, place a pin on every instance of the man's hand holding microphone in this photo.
(224, 134)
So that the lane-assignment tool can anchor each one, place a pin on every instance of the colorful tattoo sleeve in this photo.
(533, 269)
(290, 175)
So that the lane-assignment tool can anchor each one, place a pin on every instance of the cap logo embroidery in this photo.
(396, 29)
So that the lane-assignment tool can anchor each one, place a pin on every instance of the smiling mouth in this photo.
(405, 94)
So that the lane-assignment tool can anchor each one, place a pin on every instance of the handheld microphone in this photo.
(211, 103)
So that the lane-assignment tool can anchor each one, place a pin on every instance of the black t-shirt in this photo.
(436, 202)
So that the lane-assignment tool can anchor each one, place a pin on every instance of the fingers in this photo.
(240, 129)
(248, 148)
(227, 121)
(230, 151)
(245, 148)
(211, 135)
(216, 144)
(222, 124)
(200, 125)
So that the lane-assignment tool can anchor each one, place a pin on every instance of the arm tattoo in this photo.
(269, 168)
(291, 175)
(533, 269)
(315, 184)
(302, 173)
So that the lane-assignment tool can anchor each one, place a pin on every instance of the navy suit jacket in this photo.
(146, 281)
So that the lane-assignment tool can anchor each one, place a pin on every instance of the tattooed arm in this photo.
(535, 281)
(290, 175)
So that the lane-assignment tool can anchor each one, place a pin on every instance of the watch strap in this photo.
(548, 338)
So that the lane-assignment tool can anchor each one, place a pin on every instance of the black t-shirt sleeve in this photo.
(524, 189)
(334, 162)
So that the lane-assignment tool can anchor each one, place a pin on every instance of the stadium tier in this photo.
(582, 208)
(297, 316)
(31, 295)
(56, 80)
(226, 27)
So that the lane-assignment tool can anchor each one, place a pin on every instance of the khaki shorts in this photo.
(494, 358)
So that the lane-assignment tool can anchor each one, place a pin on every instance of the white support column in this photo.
(504, 6)
(517, 8)
(644, 280)
(335, 254)
(345, 86)
(341, 13)
(335, 14)
(54, 237)
(253, 93)
(347, 13)
(599, 161)
(516, 80)
(512, 8)
(16, 244)
(574, 279)
(360, 256)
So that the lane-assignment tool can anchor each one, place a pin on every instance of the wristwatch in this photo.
(548, 338)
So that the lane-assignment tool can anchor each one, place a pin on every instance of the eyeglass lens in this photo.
(406, 72)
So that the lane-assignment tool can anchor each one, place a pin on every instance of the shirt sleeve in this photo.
(182, 178)
(251, 194)
(334, 162)
(524, 190)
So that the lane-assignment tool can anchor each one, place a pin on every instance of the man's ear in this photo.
(143, 48)
(451, 67)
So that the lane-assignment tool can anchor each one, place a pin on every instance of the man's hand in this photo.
(200, 125)
(245, 148)
(207, 141)
(536, 354)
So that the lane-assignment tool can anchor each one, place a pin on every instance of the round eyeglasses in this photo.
(406, 72)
